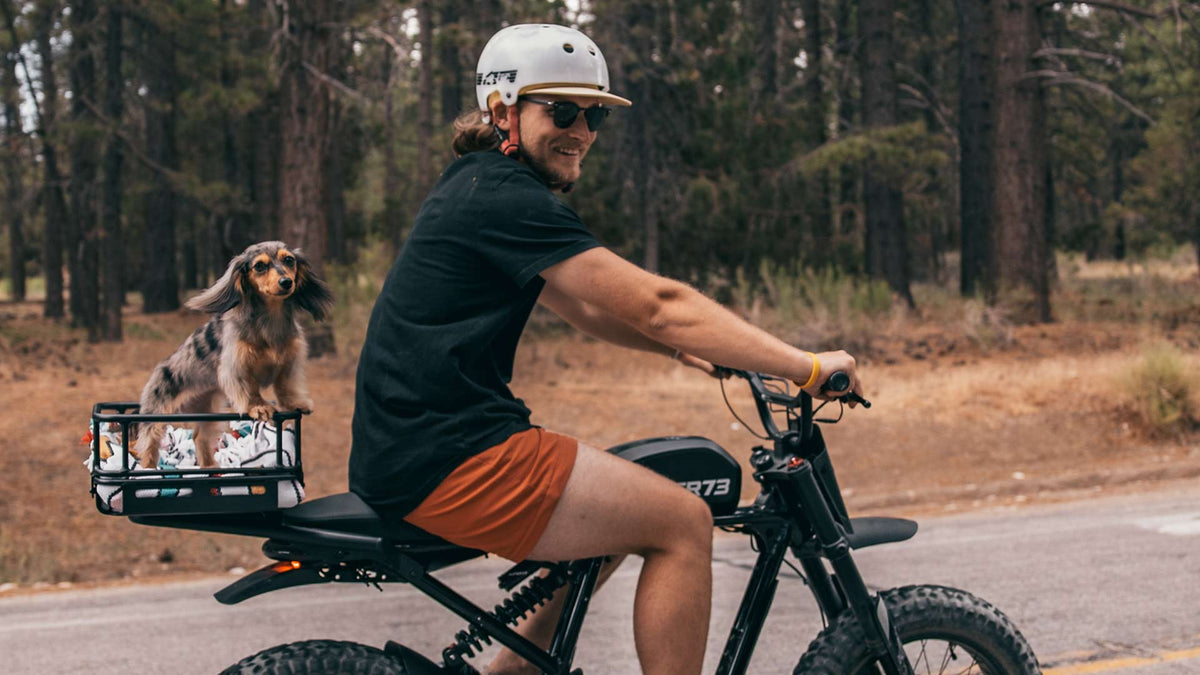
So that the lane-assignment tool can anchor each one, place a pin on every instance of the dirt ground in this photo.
(954, 426)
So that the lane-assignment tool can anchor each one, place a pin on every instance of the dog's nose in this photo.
(285, 283)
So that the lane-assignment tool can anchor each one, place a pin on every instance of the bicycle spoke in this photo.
(949, 656)
(922, 657)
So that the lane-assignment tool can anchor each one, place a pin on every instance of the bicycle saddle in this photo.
(348, 513)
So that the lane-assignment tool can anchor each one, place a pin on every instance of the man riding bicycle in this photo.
(439, 439)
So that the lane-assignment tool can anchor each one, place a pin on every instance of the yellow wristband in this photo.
(816, 371)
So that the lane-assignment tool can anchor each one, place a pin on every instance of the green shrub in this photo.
(1161, 388)
(823, 305)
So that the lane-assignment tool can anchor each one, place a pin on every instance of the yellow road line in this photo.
(1122, 664)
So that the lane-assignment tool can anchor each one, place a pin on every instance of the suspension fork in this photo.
(800, 488)
(756, 602)
(829, 598)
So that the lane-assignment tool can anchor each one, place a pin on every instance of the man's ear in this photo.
(500, 114)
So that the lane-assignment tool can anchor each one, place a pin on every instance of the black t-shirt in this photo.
(432, 386)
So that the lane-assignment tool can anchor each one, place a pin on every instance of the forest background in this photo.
(993, 201)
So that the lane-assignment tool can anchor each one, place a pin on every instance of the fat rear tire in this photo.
(318, 657)
(934, 614)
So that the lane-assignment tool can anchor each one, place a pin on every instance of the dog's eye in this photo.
(260, 267)
(289, 261)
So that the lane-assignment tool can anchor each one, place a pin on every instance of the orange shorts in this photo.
(501, 500)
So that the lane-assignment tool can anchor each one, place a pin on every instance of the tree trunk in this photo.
(13, 137)
(818, 189)
(112, 254)
(303, 216)
(886, 248)
(393, 200)
(425, 101)
(160, 288)
(264, 148)
(305, 125)
(1021, 250)
(847, 183)
(449, 60)
(85, 154)
(237, 235)
(53, 201)
(335, 184)
(766, 14)
(976, 141)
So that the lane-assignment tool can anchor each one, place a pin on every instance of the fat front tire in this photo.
(313, 657)
(944, 630)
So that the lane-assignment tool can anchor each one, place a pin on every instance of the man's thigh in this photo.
(612, 506)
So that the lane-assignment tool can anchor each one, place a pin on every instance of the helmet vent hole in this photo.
(568, 47)
(592, 51)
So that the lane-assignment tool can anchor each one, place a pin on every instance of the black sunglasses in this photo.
(566, 112)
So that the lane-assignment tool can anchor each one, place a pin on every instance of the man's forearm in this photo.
(695, 324)
(604, 326)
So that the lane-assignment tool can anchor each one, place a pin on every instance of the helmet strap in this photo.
(511, 146)
(511, 143)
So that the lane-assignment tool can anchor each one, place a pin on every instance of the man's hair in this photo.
(472, 134)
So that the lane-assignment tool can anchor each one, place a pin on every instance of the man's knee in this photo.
(694, 522)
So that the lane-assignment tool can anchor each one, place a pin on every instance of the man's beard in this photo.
(549, 176)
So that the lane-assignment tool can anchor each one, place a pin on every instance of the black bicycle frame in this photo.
(799, 510)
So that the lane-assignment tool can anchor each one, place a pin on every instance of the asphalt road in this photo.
(1100, 586)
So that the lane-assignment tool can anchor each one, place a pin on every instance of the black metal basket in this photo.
(191, 490)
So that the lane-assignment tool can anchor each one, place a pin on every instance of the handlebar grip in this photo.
(837, 383)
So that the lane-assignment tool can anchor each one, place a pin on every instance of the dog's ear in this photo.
(227, 293)
(312, 294)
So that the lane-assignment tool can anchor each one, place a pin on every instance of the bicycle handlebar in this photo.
(836, 383)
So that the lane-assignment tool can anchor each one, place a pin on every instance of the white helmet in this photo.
(543, 59)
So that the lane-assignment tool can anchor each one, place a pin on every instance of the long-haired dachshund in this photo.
(252, 340)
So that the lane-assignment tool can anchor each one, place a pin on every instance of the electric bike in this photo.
(799, 511)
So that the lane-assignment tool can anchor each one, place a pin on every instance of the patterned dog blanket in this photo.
(247, 444)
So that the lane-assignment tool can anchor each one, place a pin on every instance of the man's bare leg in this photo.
(610, 507)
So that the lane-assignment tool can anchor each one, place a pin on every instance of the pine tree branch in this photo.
(173, 176)
(1082, 53)
(1106, 4)
(1054, 77)
(923, 101)
(383, 35)
(338, 85)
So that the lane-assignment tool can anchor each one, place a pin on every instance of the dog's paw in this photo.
(262, 413)
(304, 405)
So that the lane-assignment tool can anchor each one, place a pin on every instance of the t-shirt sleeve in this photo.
(532, 230)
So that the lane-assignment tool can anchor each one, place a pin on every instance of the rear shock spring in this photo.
(523, 601)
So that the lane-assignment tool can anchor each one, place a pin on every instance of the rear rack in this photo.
(191, 490)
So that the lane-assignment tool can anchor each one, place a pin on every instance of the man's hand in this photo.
(699, 364)
(830, 363)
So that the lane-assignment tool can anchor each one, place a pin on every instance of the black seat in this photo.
(347, 512)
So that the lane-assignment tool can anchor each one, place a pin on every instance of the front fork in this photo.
(797, 483)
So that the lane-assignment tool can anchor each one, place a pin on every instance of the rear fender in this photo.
(273, 577)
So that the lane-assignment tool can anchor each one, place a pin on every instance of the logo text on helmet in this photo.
(495, 77)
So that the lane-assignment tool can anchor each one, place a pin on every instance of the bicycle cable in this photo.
(738, 417)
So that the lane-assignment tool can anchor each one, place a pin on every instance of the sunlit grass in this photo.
(35, 288)
(1160, 387)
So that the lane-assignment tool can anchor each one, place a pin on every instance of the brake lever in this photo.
(839, 382)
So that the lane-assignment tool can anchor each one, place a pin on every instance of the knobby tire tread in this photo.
(932, 612)
(327, 657)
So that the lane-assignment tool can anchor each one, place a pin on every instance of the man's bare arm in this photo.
(597, 323)
(674, 314)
